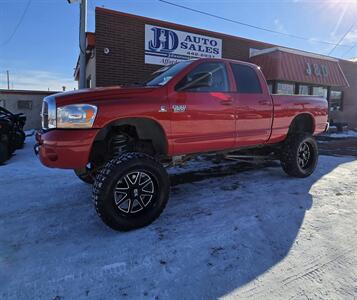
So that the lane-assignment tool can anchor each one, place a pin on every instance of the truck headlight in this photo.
(76, 116)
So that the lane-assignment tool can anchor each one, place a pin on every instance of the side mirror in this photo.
(198, 80)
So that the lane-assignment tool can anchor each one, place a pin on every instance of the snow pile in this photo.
(343, 135)
(251, 235)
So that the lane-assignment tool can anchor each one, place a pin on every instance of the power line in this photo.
(343, 37)
(17, 25)
(250, 25)
(348, 51)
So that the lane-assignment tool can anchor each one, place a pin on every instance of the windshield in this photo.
(165, 74)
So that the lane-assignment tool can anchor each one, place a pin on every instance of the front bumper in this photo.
(65, 149)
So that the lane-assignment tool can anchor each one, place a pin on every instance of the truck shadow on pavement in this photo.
(230, 230)
(217, 234)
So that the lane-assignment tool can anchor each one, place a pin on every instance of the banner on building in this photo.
(165, 46)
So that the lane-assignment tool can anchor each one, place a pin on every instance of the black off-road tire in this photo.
(290, 155)
(113, 174)
(4, 152)
(20, 139)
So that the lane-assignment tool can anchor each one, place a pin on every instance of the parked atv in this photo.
(12, 135)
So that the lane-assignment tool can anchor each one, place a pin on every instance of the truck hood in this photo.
(102, 93)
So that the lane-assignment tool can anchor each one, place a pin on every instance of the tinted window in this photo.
(219, 82)
(246, 79)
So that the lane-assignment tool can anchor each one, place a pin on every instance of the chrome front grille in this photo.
(44, 115)
(48, 113)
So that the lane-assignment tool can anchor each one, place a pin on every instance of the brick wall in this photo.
(124, 36)
(349, 104)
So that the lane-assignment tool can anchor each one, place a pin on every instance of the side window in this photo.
(246, 78)
(336, 100)
(206, 77)
(24, 104)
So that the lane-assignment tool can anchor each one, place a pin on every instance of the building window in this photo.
(285, 88)
(336, 100)
(24, 104)
(246, 78)
(304, 89)
(319, 91)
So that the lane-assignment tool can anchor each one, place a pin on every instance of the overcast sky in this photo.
(42, 52)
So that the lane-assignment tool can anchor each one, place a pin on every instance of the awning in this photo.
(298, 66)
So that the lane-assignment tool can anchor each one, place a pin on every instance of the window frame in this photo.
(20, 104)
(341, 101)
(285, 82)
(194, 68)
(319, 86)
(303, 84)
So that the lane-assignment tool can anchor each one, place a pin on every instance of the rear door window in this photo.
(246, 79)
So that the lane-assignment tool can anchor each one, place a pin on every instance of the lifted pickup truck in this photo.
(122, 138)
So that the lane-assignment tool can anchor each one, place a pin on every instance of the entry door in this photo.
(203, 118)
(254, 106)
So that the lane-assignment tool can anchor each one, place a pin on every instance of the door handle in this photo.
(226, 102)
(264, 102)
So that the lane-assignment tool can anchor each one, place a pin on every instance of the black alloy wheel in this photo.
(131, 191)
(304, 155)
(299, 155)
(135, 191)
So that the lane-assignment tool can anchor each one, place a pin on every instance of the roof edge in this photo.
(32, 92)
(294, 51)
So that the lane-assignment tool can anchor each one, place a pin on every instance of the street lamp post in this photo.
(82, 42)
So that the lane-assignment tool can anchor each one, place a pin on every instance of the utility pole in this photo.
(8, 79)
(82, 42)
(83, 46)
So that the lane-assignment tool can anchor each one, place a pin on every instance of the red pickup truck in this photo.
(122, 138)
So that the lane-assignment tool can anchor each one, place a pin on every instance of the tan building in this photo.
(126, 48)
(26, 102)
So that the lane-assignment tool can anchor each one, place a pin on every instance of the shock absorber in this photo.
(119, 144)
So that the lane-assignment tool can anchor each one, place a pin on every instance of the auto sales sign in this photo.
(165, 46)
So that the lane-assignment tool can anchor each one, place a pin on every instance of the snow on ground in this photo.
(343, 135)
(256, 234)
